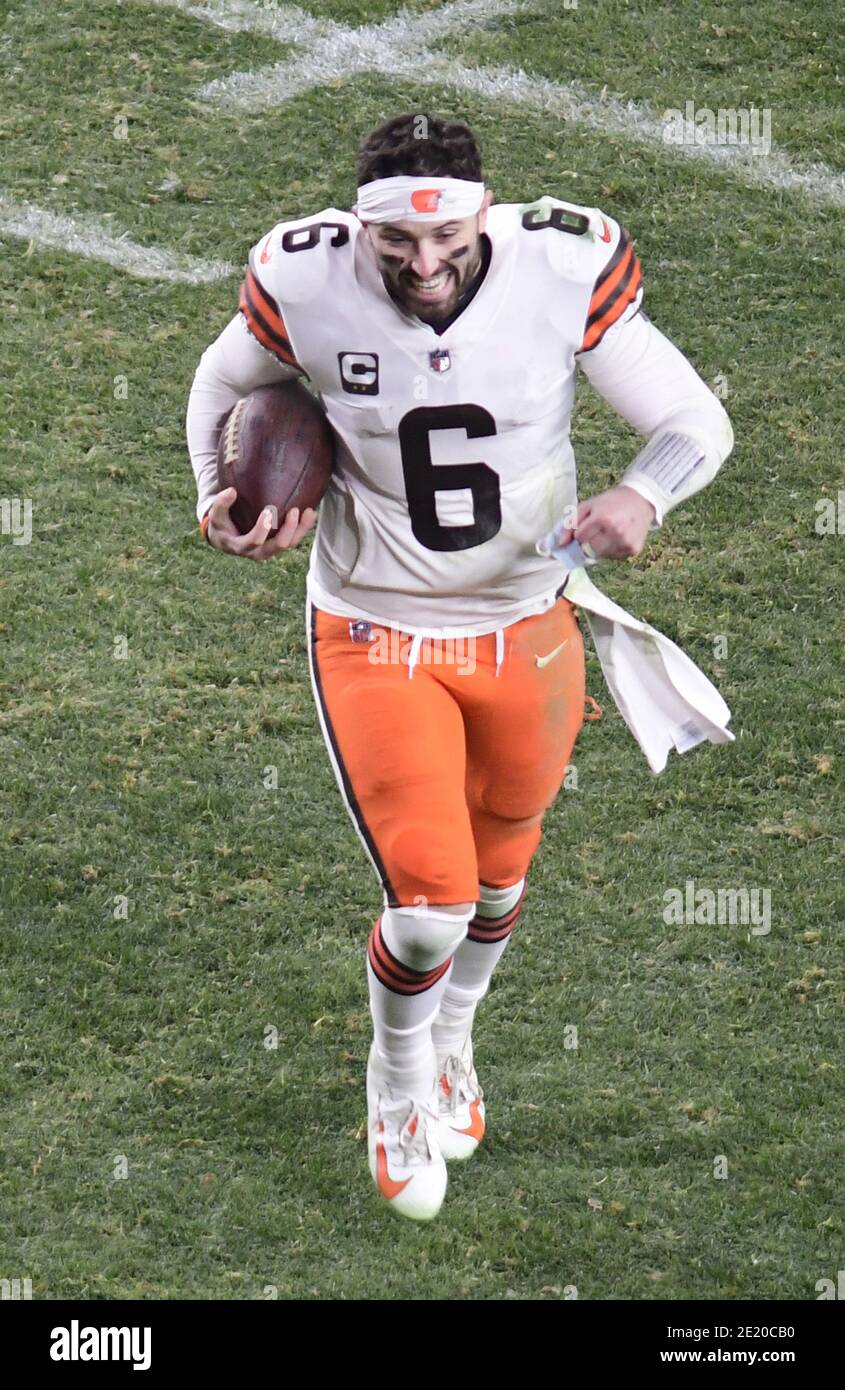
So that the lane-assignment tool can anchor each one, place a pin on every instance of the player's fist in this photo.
(614, 523)
(257, 544)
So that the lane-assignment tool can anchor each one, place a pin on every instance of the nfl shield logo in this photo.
(360, 630)
(439, 360)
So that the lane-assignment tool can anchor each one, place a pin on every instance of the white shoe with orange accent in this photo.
(405, 1158)
(461, 1105)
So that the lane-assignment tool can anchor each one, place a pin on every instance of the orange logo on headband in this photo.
(426, 199)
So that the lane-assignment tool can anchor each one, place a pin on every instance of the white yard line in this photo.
(327, 53)
(610, 116)
(286, 23)
(89, 236)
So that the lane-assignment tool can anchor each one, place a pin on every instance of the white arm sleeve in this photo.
(653, 386)
(230, 368)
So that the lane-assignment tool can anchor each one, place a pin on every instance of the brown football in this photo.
(277, 448)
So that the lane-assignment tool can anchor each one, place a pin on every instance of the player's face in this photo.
(426, 265)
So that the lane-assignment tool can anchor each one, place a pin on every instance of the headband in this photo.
(409, 199)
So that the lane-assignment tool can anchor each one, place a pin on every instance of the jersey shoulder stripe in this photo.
(264, 320)
(616, 288)
(277, 279)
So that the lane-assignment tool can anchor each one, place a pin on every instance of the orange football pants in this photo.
(447, 773)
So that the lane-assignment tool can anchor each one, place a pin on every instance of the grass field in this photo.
(163, 910)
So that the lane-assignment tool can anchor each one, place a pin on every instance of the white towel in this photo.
(665, 700)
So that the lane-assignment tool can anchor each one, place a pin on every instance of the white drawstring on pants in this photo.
(418, 639)
(414, 654)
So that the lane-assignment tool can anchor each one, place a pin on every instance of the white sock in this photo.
(472, 967)
(406, 1055)
(404, 999)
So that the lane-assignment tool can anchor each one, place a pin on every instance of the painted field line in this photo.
(327, 52)
(285, 23)
(86, 235)
(610, 116)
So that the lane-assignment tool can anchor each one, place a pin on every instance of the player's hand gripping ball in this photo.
(276, 448)
(274, 460)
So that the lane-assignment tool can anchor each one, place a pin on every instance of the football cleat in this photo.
(405, 1158)
(461, 1105)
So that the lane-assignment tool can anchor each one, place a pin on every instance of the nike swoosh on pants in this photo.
(544, 660)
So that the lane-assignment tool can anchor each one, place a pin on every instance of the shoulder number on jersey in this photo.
(306, 238)
(551, 212)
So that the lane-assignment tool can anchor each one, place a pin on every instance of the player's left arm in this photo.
(653, 386)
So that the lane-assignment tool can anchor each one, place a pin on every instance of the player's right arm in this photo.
(235, 364)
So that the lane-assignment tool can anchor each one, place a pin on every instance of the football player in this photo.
(442, 332)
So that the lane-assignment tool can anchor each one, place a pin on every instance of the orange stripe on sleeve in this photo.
(627, 296)
(616, 288)
(264, 320)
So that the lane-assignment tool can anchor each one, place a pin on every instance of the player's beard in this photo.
(463, 278)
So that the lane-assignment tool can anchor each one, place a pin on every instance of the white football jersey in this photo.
(454, 455)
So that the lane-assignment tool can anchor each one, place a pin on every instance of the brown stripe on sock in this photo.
(493, 929)
(395, 976)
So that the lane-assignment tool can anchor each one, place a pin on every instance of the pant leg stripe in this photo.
(341, 775)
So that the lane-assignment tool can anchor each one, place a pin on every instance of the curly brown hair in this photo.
(419, 144)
